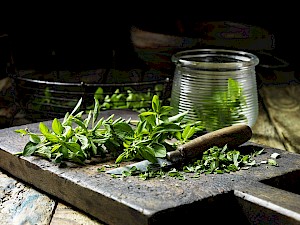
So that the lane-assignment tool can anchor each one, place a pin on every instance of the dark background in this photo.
(88, 37)
(77, 37)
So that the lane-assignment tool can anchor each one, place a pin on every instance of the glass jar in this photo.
(215, 86)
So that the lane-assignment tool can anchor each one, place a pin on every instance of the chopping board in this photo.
(271, 190)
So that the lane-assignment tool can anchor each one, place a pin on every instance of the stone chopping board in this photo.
(160, 201)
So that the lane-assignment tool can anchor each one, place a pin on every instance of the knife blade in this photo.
(233, 136)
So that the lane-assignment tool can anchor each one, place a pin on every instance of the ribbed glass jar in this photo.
(215, 86)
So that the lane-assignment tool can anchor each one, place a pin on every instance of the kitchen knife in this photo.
(233, 136)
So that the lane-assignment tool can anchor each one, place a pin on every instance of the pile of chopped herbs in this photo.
(215, 160)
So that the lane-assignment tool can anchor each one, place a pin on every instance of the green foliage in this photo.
(155, 126)
(77, 139)
(215, 160)
(221, 160)
(127, 99)
(224, 108)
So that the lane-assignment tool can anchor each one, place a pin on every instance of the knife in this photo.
(233, 136)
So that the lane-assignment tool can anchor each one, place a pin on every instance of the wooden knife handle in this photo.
(233, 136)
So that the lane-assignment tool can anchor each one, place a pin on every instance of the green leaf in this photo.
(151, 122)
(229, 156)
(29, 149)
(101, 169)
(123, 130)
(147, 153)
(79, 123)
(134, 170)
(34, 138)
(76, 158)
(66, 117)
(175, 173)
(101, 140)
(43, 128)
(44, 151)
(58, 158)
(119, 120)
(140, 127)
(156, 104)
(165, 110)
(178, 136)
(45, 131)
(109, 119)
(99, 94)
(213, 166)
(55, 147)
(178, 117)
(147, 113)
(159, 150)
(83, 140)
(96, 110)
(166, 128)
(64, 151)
(21, 131)
(235, 157)
(74, 147)
(52, 138)
(88, 119)
(94, 147)
(232, 168)
(68, 132)
(57, 127)
(121, 157)
(79, 115)
(188, 132)
(256, 153)
(77, 106)
(98, 124)
(272, 162)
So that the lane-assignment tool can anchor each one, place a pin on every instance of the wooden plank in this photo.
(66, 215)
(265, 204)
(21, 204)
(38, 208)
(283, 104)
(264, 132)
(131, 200)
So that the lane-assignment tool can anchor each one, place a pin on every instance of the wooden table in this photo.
(277, 126)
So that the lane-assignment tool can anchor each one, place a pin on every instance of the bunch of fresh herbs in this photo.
(65, 141)
(78, 139)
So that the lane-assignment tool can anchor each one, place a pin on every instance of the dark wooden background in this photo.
(85, 37)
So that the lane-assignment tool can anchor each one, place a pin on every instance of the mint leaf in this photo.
(272, 162)
(34, 138)
(29, 149)
(188, 132)
(57, 126)
(159, 150)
